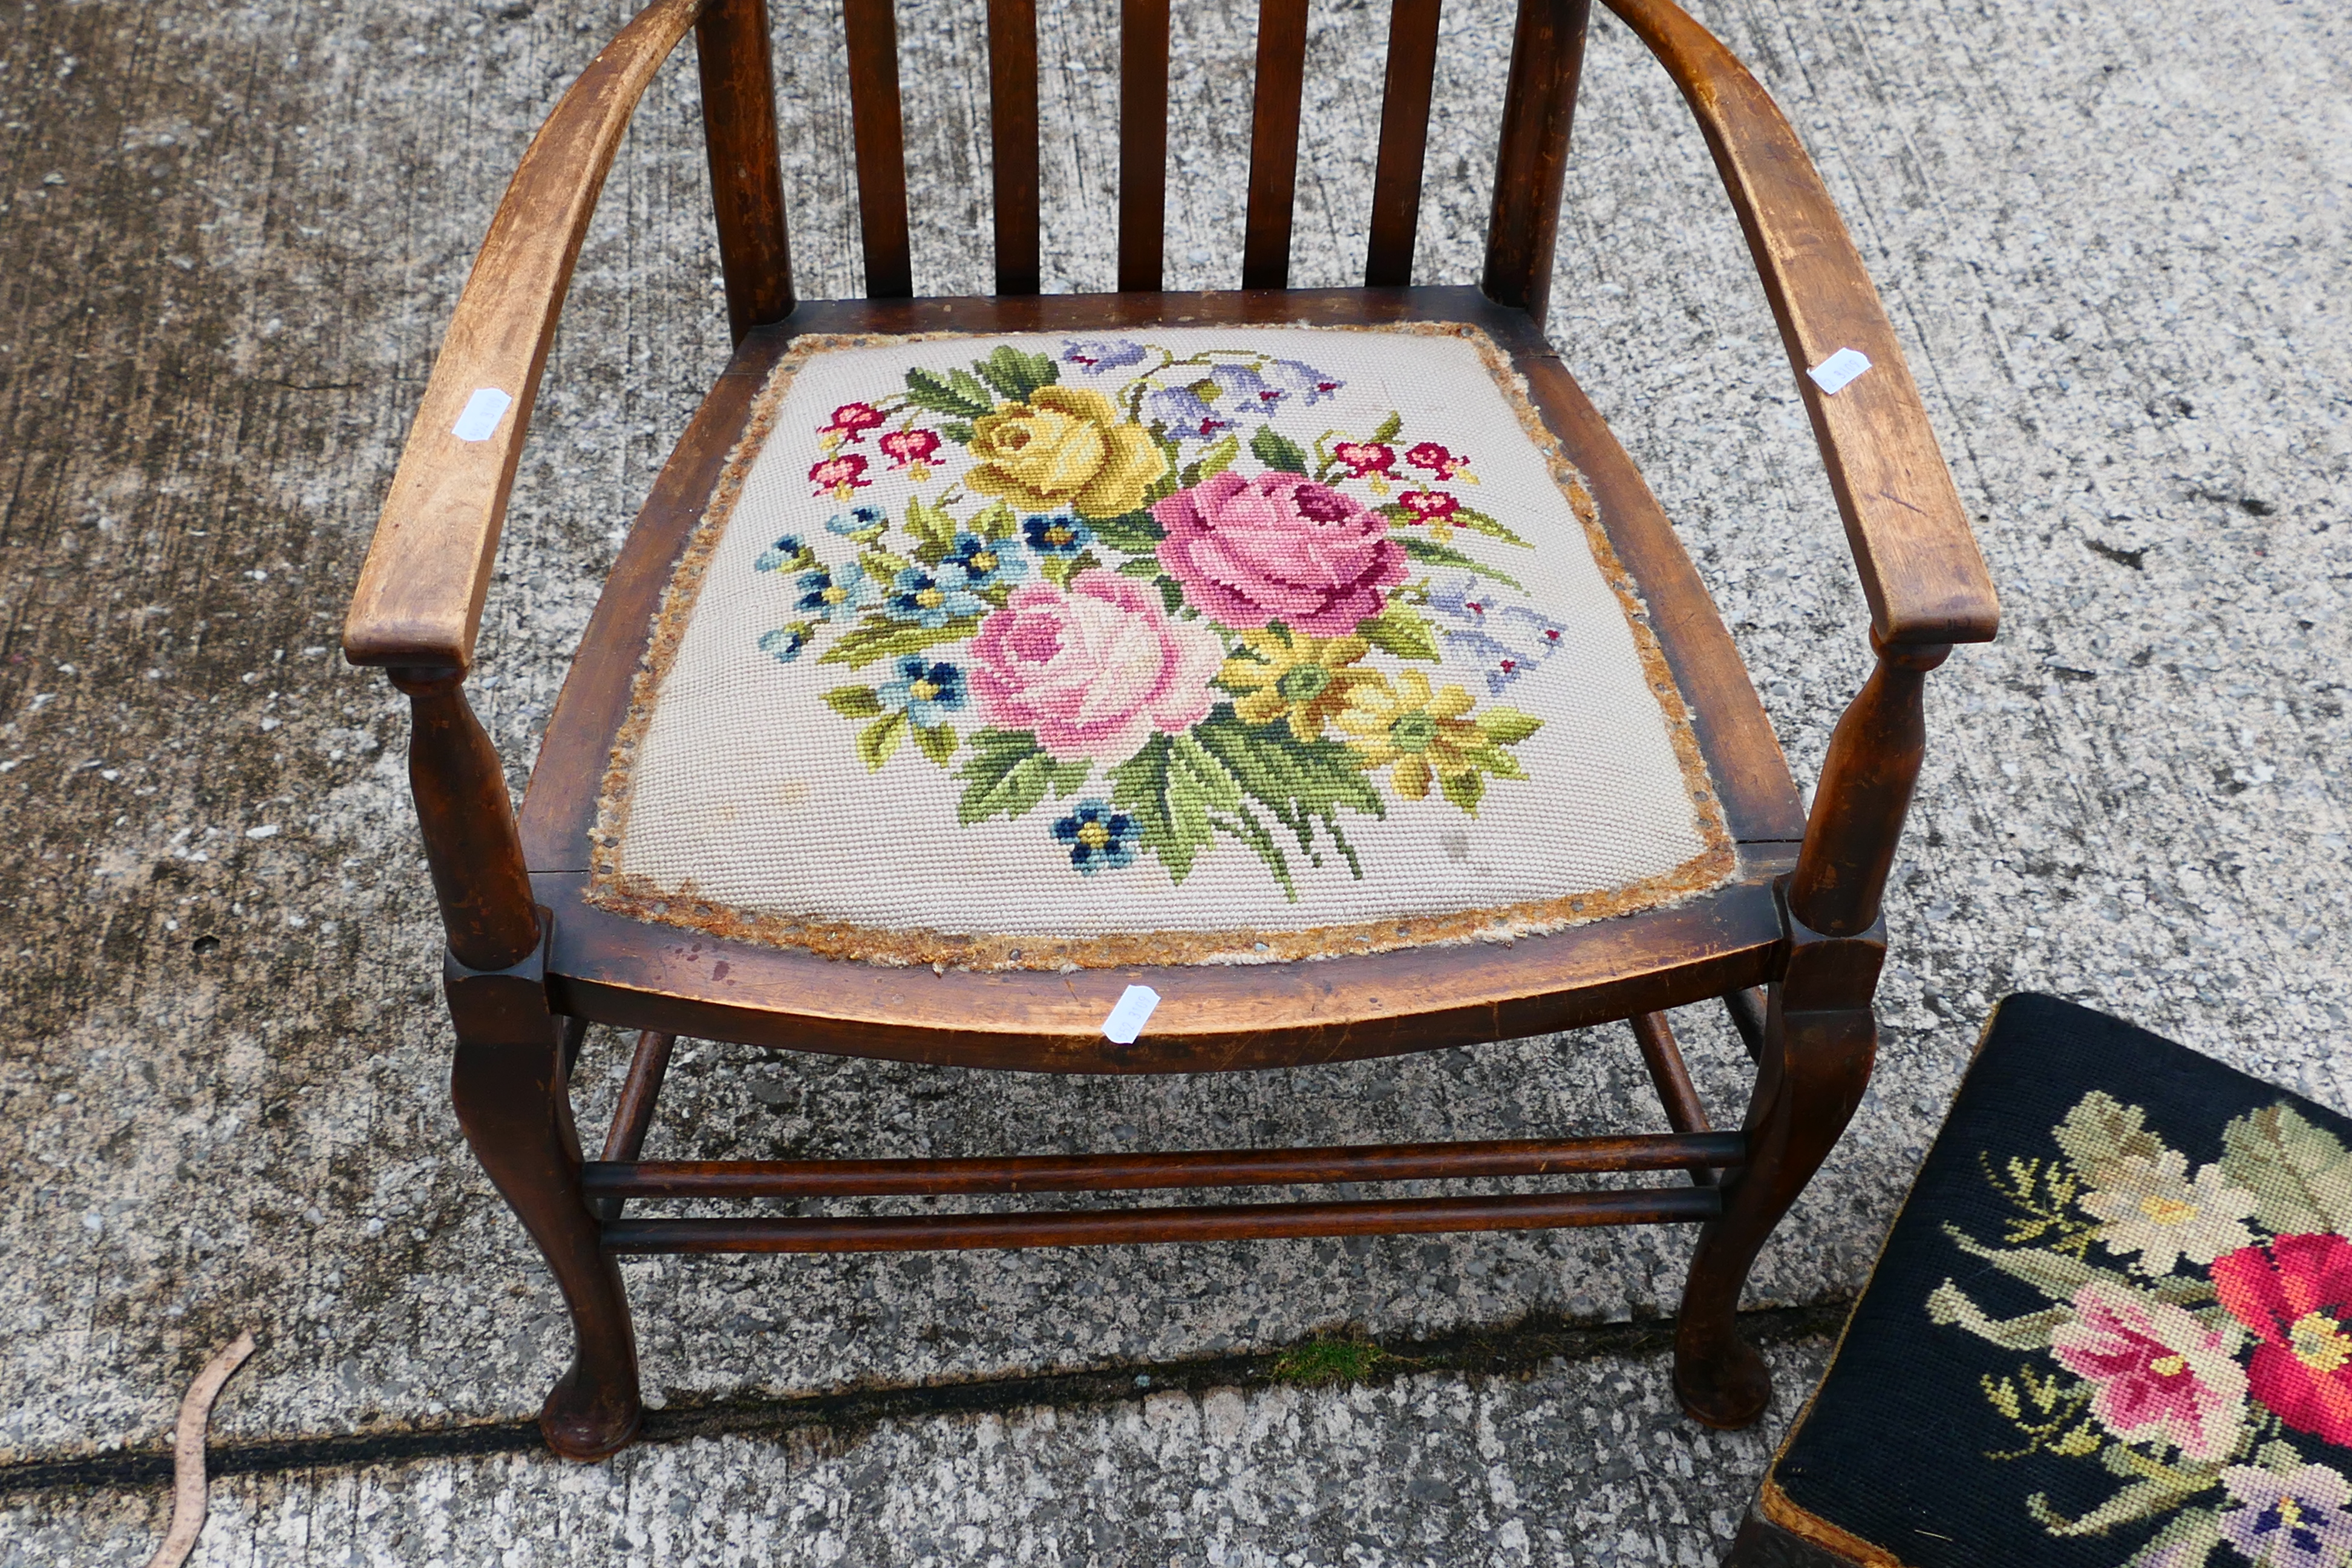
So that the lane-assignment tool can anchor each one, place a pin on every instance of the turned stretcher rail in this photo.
(1202, 1168)
(1128, 1227)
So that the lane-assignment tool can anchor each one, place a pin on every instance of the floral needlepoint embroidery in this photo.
(1099, 838)
(1167, 579)
(2202, 1366)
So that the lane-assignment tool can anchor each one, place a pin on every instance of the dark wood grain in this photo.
(1013, 134)
(1864, 795)
(1531, 159)
(880, 137)
(462, 807)
(1143, 142)
(1274, 143)
(747, 191)
(1404, 143)
(1672, 1078)
(1117, 1172)
(633, 1112)
(1134, 1227)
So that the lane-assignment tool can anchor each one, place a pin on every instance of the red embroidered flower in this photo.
(1429, 505)
(2295, 1297)
(838, 477)
(2155, 1371)
(851, 421)
(906, 447)
(1364, 457)
(1436, 460)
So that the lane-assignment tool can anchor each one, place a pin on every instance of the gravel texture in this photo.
(2115, 239)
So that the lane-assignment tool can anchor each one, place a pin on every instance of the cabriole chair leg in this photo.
(507, 1086)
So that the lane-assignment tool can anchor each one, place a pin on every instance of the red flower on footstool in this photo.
(2296, 1295)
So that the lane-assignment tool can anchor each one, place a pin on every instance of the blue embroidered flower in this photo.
(1186, 413)
(784, 644)
(859, 522)
(1097, 838)
(2295, 1520)
(783, 554)
(1055, 533)
(1096, 355)
(836, 593)
(976, 563)
(1293, 375)
(928, 600)
(925, 691)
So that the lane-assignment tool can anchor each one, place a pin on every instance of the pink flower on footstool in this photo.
(1279, 547)
(2296, 1297)
(1092, 671)
(2155, 1370)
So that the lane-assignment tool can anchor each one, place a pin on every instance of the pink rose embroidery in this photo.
(2155, 1370)
(1092, 671)
(1279, 547)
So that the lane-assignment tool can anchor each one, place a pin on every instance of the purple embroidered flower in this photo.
(1292, 376)
(1186, 413)
(1096, 355)
(1244, 388)
(1463, 601)
(2289, 1521)
(1504, 664)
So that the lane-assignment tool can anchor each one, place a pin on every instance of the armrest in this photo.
(1920, 568)
(419, 601)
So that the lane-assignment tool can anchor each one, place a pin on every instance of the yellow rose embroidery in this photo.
(1065, 446)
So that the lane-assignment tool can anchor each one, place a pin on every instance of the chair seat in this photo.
(1194, 644)
(1141, 634)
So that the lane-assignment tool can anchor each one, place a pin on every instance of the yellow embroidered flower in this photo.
(1423, 735)
(1283, 675)
(1066, 446)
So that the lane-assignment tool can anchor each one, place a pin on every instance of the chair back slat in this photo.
(1013, 129)
(1404, 143)
(1274, 143)
(739, 124)
(1142, 141)
(873, 37)
(1531, 162)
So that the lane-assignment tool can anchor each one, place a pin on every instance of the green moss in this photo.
(1327, 1360)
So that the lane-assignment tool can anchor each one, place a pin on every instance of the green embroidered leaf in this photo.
(1171, 787)
(995, 520)
(1305, 784)
(2002, 1396)
(1007, 774)
(955, 395)
(2139, 1500)
(1143, 566)
(1507, 726)
(956, 430)
(934, 530)
(879, 739)
(1016, 374)
(1498, 762)
(1170, 456)
(853, 701)
(1386, 430)
(938, 742)
(1278, 451)
(1171, 597)
(1437, 554)
(2099, 1135)
(1402, 630)
(2054, 1275)
(1211, 463)
(1479, 523)
(2300, 1177)
(1131, 533)
(1951, 1308)
(883, 639)
(882, 563)
(1464, 790)
(2188, 1541)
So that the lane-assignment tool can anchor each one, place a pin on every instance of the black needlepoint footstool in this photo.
(2112, 1328)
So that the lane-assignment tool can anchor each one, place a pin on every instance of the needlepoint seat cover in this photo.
(2112, 1326)
(1191, 645)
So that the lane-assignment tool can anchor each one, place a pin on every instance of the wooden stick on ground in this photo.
(188, 1453)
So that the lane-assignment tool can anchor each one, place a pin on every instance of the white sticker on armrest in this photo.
(1127, 1019)
(1835, 373)
(483, 411)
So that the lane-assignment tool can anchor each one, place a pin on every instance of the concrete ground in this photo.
(2114, 238)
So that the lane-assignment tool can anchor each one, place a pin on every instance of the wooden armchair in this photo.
(1288, 610)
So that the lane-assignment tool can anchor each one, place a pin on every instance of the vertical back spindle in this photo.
(873, 35)
(1142, 141)
(1404, 143)
(1013, 129)
(1530, 164)
(1274, 143)
(739, 129)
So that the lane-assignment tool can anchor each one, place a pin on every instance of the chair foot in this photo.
(1724, 1384)
(587, 1418)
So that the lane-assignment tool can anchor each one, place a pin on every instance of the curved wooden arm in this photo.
(419, 601)
(1920, 567)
